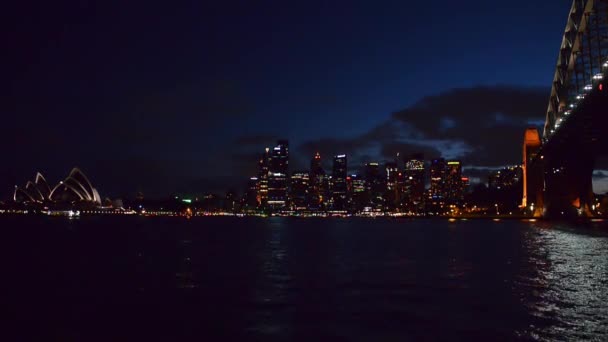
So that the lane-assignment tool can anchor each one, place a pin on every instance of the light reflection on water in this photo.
(560, 281)
(285, 279)
(571, 284)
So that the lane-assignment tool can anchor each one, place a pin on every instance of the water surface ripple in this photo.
(138, 278)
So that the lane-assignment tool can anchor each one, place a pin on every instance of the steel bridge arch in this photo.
(582, 55)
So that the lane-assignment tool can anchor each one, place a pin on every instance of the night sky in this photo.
(163, 97)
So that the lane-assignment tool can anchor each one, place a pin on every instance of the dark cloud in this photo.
(476, 107)
(489, 120)
(482, 126)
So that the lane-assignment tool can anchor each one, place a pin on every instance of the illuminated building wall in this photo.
(375, 185)
(391, 196)
(359, 197)
(263, 170)
(299, 187)
(339, 186)
(453, 183)
(317, 183)
(414, 174)
(277, 176)
(439, 172)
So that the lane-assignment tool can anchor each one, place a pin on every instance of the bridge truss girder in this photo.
(583, 53)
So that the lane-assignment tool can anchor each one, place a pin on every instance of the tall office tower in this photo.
(299, 188)
(391, 196)
(359, 197)
(375, 185)
(437, 192)
(414, 182)
(263, 169)
(339, 186)
(453, 182)
(315, 165)
(277, 176)
(328, 198)
(317, 186)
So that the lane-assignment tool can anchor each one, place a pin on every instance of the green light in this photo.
(453, 163)
(186, 200)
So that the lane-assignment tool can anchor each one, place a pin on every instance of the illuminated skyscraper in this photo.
(263, 170)
(453, 182)
(315, 165)
(317, 183)
(375, 185)
(414, 182)
(437, 192)
(339, 186)
(391, 196)
(359, 197)
(299, 190)
(278, 175)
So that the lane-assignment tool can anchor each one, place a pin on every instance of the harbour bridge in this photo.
(558, 166)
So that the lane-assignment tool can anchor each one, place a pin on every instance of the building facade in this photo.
(375, 185)
(278, 176)
(299, 187)
(414, 175)
(339, 186)
(263, 172)
(317, 184)
(453, 184)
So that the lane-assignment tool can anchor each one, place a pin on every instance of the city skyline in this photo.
(409, 184)
(186, 115)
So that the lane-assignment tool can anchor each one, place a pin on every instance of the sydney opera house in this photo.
(75, 191)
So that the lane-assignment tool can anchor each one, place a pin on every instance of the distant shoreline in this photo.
(76, 214)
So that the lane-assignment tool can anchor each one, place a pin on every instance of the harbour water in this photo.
(141, 278)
